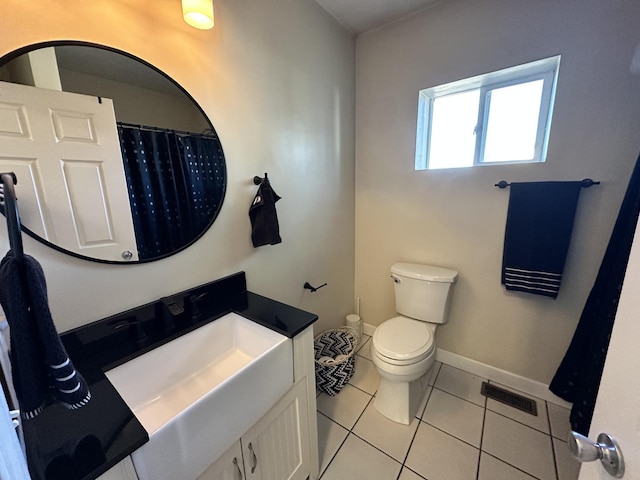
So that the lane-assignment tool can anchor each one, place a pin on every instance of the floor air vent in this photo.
(509, 398)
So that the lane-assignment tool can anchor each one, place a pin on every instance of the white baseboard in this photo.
(508, 379)
(526, 385)
(368, 329)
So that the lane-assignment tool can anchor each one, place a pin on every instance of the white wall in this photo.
(276, 78)
(455, 218)
(159, 109)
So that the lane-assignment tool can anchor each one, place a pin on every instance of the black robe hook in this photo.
(258, 180)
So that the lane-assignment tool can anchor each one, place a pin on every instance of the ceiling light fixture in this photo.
(198, 13)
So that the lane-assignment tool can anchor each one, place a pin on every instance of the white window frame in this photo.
(545, 69)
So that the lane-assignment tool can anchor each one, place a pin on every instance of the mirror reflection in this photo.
(115, 161)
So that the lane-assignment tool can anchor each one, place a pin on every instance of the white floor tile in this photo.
(455, 416)
(407, 474)
(461, 384)
(365, 377)
(559, 419)
(392, 438)
(358, 460)
(493, 469)
(423, 405)
(438, 456)
(434, 372)
(363, 342)
(365, 349)
(568, 467)
(539, 422)
(345, 407)
(330, 437)
(518, 445)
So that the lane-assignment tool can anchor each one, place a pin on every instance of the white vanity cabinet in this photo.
(285, 440)
(282, 445)
(275, 448)
(228, 467)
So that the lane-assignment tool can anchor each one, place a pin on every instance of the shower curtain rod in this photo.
(160, 129)
(586, 183)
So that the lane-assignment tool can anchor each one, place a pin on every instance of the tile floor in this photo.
(458, 434)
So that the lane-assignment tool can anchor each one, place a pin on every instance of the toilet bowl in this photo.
(403, 348)
(403, 351)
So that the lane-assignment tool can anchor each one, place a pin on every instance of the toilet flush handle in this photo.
(396, 279)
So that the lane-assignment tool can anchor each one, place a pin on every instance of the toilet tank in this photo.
(423, 291)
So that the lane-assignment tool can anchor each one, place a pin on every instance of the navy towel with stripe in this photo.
(539, 225)
(41, 369)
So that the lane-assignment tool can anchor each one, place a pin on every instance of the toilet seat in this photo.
(403, 341)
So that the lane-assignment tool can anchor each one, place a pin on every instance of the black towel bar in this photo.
(586, 183)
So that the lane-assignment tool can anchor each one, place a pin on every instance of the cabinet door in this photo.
(122, 471)
(227, 467)
(277, 447)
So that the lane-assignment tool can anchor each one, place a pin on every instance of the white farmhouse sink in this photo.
(197, 394)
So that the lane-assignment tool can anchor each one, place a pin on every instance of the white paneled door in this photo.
(617, 410)
(65, 151)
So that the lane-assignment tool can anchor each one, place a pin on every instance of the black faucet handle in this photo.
(192, 305)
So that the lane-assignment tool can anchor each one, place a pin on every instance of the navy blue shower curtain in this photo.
(175, 182)
(578, 376)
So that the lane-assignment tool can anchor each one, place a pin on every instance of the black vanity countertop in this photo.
(82, 444)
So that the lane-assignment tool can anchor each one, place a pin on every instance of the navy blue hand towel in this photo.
(539, 225)
(265, 229)
(41, 369)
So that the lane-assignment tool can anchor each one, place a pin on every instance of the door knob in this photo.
(606, 449)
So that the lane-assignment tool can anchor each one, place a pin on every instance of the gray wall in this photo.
(276, 78)
(456, 217)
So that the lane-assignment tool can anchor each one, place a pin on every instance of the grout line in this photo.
(424, 409)
(406, 455)
(337, 449)
(421, 420)
(553, 447)
(361, 413)
(484, 421)
(351, 431)
(363, 391)
(412, 471)
(457, 396)
(451, 435)
(377, 448)
(519, 422)
(512, 466)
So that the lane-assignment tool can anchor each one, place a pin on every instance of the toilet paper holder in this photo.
(311, 288)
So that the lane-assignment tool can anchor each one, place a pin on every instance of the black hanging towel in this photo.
(265, 229)
(42, 370)
(578, 377)
(537, 235)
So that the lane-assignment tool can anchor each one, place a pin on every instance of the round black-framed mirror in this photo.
(63, 102)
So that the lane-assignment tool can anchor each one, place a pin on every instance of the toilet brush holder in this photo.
(354, 321)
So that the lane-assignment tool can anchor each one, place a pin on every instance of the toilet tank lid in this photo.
(424, 272)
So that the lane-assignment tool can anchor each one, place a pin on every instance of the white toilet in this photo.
(404, 347)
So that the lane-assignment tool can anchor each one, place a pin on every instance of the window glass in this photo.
(512, 123)
(491, 119)
(453, 139)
